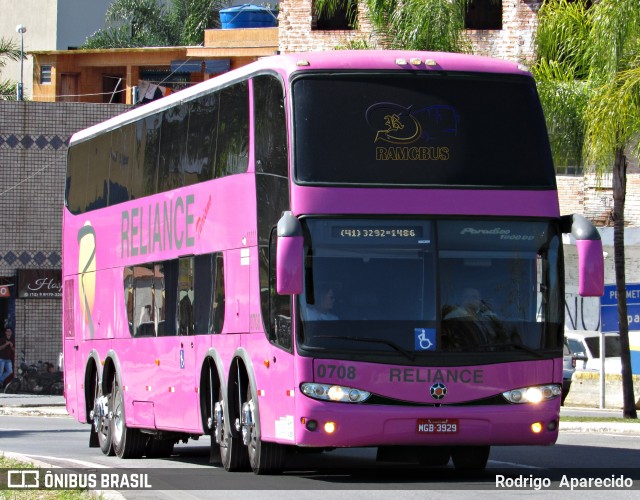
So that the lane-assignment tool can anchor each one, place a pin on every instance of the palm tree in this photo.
(8, 50)
(151, 23)
(592, 54)
(192, 17)
(410, 24)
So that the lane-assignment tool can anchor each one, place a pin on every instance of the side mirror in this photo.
(590, 258)
(289, 255)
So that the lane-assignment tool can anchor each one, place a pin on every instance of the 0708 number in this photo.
(338, 371)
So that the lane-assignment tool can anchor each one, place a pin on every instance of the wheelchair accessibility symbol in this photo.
(425, 339)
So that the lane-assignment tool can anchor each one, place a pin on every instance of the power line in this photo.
(29, 177)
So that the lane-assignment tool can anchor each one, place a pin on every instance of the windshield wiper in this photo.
(390, 343)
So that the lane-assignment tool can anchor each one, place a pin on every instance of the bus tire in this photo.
(264, 458)
(126, 442)
(209, 389)
(233, 453)
(470, 457)
(101, 424)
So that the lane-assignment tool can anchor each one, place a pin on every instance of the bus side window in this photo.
(143, 324)
(159, 294)
(208, 294)
(202, 291)
(217, 306)
(170, 273)
(270, 134)
(128, 296)
(173, 131)
(232, 148)
(185, 297)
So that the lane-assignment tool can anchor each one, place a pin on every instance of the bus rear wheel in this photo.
(265, 458)
(470, 457)
(126, 442)
(233, 454)
(101, 425)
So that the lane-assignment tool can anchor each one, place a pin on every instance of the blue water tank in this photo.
(248, 16)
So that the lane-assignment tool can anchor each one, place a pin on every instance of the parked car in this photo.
(585, 348)
(568, 367)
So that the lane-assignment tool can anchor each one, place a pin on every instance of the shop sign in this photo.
(39, 283)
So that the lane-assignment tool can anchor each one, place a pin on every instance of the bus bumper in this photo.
(324, 424)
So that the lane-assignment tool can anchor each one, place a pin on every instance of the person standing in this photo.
(7, 354)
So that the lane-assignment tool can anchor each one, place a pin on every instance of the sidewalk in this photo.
(32, 404)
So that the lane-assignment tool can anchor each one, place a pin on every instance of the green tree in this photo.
(8, 50)
(410, 24)
(191, 17)
(592, 54)
(151, 23)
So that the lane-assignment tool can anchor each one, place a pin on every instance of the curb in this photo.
(601, 427)
(39, 411)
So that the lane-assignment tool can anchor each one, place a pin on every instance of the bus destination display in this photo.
(386, 232)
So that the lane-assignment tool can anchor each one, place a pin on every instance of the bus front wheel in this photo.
(265, 458)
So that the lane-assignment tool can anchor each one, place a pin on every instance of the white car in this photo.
(585, 348)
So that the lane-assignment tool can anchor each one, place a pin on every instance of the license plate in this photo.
(438, 425)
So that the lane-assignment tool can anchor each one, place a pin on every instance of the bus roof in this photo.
(312, 61)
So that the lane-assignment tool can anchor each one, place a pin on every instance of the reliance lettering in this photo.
(156, 228)
(430, 376)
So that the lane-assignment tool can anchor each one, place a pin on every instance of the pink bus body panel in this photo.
(310, 200)
(161, 375)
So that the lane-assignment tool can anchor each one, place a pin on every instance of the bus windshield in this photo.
(419, 288)
(421, 129)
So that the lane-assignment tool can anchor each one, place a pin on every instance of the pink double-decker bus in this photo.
(321, 250)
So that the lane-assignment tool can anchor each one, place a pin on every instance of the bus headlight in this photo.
(338, 393)
(534, 394)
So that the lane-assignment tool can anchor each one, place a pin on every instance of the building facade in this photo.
(497, 28)
(33, 146)
(51, 25)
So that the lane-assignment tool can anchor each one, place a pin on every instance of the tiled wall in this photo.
(33, 148)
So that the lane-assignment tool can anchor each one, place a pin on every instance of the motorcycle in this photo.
(30, 380)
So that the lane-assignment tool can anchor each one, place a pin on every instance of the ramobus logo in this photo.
(495, 230)
(503, 234)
